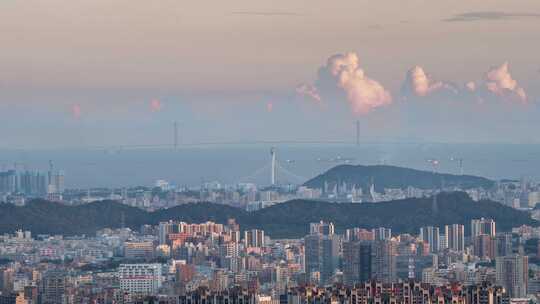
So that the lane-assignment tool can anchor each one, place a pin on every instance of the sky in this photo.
(120, 72)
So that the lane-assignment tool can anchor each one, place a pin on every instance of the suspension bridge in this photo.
(276, 171)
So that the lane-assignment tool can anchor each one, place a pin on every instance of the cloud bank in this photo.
(489, 15)
(497, 84)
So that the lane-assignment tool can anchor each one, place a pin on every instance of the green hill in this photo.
(395, 177)
(286, 220)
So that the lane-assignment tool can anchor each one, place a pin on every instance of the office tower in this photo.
(321, 228)
(381, 234)
(455, 237)
(482, 226)
(383, 259)
(513, 274)
(142, 279)
(503, 244)
(321, 255)
(356, 261)
(53, 287)
(430, 235)
(254, 238)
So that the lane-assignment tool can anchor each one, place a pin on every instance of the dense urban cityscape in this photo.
(269, 152)
(210, 262)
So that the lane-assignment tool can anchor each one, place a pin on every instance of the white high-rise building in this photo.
(143, 279)
(455, 237)
(482, 226)
(430, 235)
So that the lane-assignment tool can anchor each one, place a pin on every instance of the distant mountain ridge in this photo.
(287, 220)
(384, 176)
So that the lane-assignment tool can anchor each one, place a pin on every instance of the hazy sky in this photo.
(102, 72)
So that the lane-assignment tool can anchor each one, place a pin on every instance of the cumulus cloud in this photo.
(155, 105)
(418, 83)
(363, 93)
(499, 82)
(309, 91)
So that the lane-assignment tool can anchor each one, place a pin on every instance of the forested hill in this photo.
(286, 220)
(383, 176)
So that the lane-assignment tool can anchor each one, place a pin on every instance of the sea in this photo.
(191, 166)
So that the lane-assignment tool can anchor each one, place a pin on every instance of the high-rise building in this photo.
(455, 237)
(32, 183)
(321, 228)
(142, 279)
(430, 235)
(482, 226)
(381, 233)
(513, 274)
(359, 234)
(503, 244)
(484, 246)
(8, 181)
(321, 253)
(383, 257)
(53, 287)
(254, 238)
(59, 181)
(166, 228)
(356, 261)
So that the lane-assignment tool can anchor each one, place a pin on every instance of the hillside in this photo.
(395, 177)
(290, 219)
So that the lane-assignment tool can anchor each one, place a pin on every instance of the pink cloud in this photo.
(310, 91)
(363, 93)
(269, 107)
(76, 111)
(499, 81)
(419, 83)
(155, 105)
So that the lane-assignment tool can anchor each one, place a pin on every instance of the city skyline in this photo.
(269, 152)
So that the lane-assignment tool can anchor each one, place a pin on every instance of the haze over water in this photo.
(229, 165)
